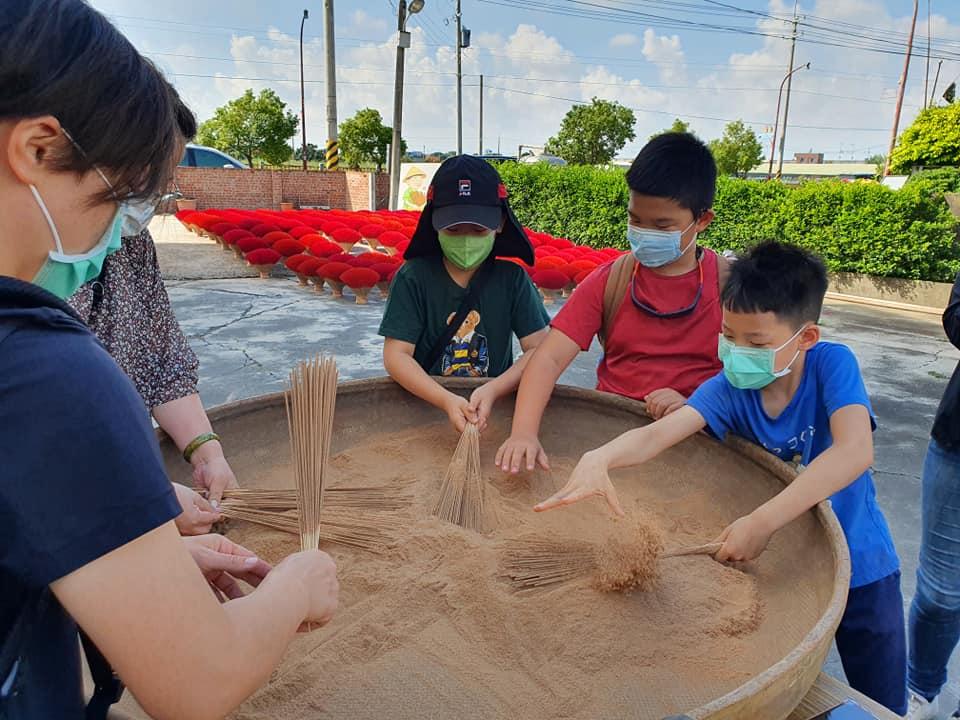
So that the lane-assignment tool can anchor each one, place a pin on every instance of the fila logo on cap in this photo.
(464, 187)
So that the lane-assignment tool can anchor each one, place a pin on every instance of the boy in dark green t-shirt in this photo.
(451, 276)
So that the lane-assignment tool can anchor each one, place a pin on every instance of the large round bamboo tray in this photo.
(806, 570)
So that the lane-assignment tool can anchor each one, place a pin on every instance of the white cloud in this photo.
(667, 54)
(363, 24)
(660, 48)
(624, 40)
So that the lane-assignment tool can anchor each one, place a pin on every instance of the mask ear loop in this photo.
(693, 240)
(786, 368)
(46, 216)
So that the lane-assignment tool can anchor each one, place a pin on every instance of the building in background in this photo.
(795, 172)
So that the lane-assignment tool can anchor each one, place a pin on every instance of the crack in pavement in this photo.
(245, 315)
(220, 290)
(912, 476)
(937, 356)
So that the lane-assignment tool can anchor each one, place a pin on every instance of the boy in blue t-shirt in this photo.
(803, 400)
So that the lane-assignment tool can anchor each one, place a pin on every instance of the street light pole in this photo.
(480, 148)
(403, 42)
(459, 83)
(303, 104)
(776, 122)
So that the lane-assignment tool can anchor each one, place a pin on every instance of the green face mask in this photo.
(466, 251)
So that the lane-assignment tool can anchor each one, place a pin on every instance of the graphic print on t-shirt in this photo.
(466, 353)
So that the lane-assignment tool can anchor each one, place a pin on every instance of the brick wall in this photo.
(251, 189)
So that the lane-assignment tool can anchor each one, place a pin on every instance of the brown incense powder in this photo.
(628, 557)
(429, 628)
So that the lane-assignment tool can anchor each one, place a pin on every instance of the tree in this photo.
(252, 126)
(679, 126)
(879, 161)
(738, 151)
(933, 140)
(364, 139)
(313, 153)
(593, 134)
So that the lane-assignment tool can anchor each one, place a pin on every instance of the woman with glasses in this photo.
(89, 134)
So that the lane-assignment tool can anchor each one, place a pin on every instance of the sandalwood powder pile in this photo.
(430, 628)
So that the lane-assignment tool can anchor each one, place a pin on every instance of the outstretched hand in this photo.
(520, 452)
(589, 478)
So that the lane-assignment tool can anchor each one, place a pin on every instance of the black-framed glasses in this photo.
(640, 305)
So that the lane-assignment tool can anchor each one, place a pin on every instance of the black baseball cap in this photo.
(468, 189)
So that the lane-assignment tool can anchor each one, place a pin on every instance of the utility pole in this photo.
(459, 83)
(480, 148)
(333, 146)
(901, 88)
(926, 77)
(403, 42)
(786, 106)
(303, 104)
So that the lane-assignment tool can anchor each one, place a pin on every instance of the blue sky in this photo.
(663, 58)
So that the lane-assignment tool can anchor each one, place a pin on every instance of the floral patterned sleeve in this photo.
(128, 309)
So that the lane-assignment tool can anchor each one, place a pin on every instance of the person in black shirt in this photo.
(934, 625)
(89, 135)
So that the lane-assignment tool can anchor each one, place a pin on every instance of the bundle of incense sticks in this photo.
(310, 400)
(461, 493)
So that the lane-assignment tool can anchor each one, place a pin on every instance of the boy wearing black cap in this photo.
(453, 308)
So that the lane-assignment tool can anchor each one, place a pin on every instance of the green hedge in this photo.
(855, 227)
(937, 180)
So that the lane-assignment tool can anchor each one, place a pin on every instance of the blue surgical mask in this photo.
(656, 248)
(749, 368)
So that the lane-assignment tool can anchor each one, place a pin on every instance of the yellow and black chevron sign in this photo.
(333, 154)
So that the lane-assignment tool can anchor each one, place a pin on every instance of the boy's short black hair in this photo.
(778, 278)
(65, 59)
(678, 166)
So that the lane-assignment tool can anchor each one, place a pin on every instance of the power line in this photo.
(521, 78)
(684, 115)
(767, 69)
(815, 34)
(428, 32)
(309, 82)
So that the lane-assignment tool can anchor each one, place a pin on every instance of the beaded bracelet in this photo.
(199, 440)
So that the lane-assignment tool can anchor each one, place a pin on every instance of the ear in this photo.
(30, 144)
(809, 337)
(703, 222)
(503, 222)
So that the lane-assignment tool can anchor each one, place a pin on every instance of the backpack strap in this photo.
(618, 280)
(107, 685)
(14, 646)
